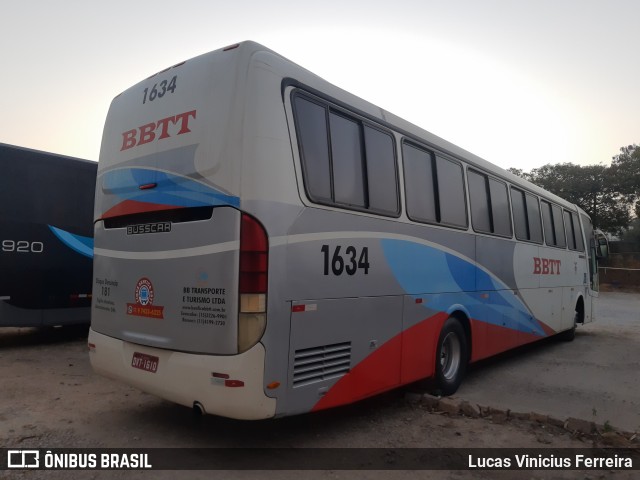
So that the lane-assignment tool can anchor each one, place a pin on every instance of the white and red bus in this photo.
(267, 244)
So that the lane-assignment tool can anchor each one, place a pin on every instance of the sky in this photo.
(521, 83)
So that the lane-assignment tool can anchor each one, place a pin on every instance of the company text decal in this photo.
(546, 266)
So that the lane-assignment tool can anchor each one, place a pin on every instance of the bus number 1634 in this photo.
(347, 263)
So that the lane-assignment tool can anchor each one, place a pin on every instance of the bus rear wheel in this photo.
(569, 335)
(451, 357)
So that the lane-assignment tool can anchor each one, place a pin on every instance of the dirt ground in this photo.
(50, 398)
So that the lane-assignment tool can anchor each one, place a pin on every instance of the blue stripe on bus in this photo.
(422, 269)
(170, 189)
(78, 243)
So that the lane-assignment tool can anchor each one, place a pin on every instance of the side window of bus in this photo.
(346, 163)
(489, 204)
(576, 228)
(526, 216)
(453, 210)
(314, 146)
(553, 226)
(535, 224)
(500, 208)
(381, 170)
(558, 226)
(418, 177)
(572, 228)
(434, 188)
(346, 156)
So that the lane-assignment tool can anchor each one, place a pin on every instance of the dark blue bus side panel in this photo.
(46, 238)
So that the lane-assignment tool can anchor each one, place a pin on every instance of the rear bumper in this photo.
(186, 378)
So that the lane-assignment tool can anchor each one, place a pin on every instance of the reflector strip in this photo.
(233, 383)
(309, 307)
(148, 186)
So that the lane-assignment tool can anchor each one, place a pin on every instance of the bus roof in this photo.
(31, 151)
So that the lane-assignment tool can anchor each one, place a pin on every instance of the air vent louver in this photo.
(316, 364)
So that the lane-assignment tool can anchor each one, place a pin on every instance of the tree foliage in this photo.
(632, 234)
(626, 168)
(607, 194)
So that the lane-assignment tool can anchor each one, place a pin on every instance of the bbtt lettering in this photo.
(164, 128)
(546, 266)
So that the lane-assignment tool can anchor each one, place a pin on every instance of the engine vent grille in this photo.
(316, 364)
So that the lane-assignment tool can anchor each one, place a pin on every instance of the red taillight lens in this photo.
(254, 259)
(254, 256)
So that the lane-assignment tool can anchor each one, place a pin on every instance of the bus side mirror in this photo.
(602, 245)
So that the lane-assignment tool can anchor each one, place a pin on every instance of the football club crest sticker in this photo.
(144, 296)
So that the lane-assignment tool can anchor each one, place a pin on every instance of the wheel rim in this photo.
(450, 356)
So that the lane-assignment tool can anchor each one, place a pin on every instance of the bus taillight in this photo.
(254, 259)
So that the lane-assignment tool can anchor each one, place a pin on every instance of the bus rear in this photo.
(180, 272)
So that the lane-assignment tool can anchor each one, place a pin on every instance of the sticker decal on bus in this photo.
(157, 130)
(144, 296)
(546, 266)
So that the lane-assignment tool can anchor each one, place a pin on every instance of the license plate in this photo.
(145, 362)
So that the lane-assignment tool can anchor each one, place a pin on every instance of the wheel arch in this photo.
(462, 315)
(580, 312)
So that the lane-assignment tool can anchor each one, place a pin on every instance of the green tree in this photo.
(632, 234)
(626, 168)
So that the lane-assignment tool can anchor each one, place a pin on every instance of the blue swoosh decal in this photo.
(171, 189)
(78, 243)
(421, 269)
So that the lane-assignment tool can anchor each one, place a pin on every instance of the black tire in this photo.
(569, 335)
(452, 356)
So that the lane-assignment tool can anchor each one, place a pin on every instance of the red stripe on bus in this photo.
(128, 207)
(390, 365)
(548, 331)
(410, 356)
(489, 339)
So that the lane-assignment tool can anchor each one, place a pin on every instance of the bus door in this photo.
(592, 283)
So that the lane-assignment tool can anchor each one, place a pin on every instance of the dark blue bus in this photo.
(46, 237)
